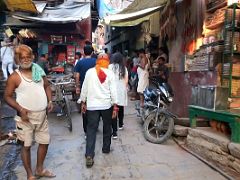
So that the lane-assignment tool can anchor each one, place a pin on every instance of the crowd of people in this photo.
(102, 85)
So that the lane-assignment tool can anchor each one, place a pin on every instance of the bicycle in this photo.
(60, 83)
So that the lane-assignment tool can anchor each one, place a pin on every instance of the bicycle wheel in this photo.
(67, 112)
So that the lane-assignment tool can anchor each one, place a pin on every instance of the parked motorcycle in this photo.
(158, 120)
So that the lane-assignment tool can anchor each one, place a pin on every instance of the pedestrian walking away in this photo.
(7, 57)
(99, 99)
(33, 100)
(80, 71)
(121, 78)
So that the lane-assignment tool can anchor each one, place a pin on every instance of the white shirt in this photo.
(99, 96)
(7, 54)
(121, 85)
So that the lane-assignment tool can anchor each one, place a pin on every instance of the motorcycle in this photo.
(158, 120)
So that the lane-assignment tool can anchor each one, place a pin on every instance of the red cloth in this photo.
(102, 76)
(102, 62)
(134, 69)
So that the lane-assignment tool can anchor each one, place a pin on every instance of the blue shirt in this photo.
(82, 67)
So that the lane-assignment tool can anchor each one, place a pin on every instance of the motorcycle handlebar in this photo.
(154, 81)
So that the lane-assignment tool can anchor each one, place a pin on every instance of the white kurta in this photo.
(99, 96)
(143, 80)
(121, 85)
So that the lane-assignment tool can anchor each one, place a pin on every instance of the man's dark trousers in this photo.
(84, 117)
(92, 126)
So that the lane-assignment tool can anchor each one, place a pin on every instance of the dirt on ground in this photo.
(9, 150)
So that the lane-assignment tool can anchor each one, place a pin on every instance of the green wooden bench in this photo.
(230, 116)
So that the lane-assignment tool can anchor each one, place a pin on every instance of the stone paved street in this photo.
(132, 157)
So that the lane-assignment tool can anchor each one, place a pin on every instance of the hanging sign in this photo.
(56, 39)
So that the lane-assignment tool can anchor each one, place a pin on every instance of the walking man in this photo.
(33, 99)
(99, 98)
(80, 71)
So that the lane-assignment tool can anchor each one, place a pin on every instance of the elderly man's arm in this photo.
(48, 93)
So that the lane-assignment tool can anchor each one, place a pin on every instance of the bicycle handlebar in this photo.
(61, 80)
(61, 83)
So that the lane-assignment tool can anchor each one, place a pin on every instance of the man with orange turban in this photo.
(99, 99)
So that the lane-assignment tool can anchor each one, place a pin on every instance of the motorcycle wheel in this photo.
(156, 133)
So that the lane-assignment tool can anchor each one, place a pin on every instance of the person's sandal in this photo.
(89, 161)
(45, 173)
(32, 178)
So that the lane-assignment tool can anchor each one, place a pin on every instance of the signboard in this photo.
(56, 39)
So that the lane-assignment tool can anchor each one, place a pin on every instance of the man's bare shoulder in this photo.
(14, 78)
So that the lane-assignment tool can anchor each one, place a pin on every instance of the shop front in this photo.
(61, 48)
(61, 31)
(204, 61)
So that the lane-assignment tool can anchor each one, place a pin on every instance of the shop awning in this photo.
(135, 13)
(65, 13)
(26, 5)
(106, 7)
(17, 24)
(131, 19)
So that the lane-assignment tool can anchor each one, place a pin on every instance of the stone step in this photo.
(181, 131)
(215, 147)
(211, 136)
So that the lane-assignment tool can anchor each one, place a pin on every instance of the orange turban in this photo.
(102, 62)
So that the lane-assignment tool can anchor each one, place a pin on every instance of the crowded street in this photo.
(131, 156)
(120, 89)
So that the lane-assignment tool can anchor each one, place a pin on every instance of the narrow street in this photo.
(132, 157)
(189, 49)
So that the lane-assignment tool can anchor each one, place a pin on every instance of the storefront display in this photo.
(220, 45)
(70, 54)
(231, 59)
